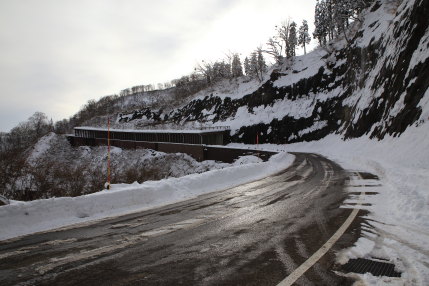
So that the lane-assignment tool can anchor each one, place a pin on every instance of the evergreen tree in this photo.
(341, 13)
(247, 68)
(226, 70)
(261, 67)
(236, 68)
(292, 40)
(221, 70)
(253, 64)
(304, 37)
(321, 28)
(332, 17)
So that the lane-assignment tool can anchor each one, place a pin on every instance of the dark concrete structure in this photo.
(206, 136)
(200, 144)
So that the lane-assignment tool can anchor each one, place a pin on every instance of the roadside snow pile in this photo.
(247, 160)
(22, 218)
(52, 166)
(397, 227)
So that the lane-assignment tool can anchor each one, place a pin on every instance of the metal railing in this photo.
(178, 127)
(215, 128)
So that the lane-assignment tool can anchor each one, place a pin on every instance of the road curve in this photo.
(253, 234)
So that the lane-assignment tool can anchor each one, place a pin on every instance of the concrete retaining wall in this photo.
(198, 152)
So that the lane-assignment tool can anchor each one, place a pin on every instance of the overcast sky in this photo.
(55, 55)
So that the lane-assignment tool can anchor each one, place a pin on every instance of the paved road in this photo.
(254, 234)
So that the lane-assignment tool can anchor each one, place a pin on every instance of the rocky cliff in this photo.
(373, 81)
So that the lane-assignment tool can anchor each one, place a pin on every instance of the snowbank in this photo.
(22, 218)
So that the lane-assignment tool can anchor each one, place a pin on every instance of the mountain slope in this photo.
(377, 85)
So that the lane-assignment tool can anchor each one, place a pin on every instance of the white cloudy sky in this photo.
(55, 55)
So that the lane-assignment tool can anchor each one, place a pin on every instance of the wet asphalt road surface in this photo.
(254, 234)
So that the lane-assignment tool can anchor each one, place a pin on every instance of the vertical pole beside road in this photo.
(257, 143)
(108, 153)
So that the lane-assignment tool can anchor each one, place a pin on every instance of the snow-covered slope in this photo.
(376, 85)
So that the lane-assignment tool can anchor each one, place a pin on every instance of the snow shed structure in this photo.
(205, 136)
(203, 144)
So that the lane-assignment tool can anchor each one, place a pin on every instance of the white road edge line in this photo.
(297, 273)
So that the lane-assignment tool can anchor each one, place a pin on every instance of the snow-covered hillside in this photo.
(376, 84)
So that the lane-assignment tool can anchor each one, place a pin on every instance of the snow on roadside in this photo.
(397, 228)
(247, 160)
(21, 218)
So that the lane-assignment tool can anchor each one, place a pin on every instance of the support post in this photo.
(108, 154)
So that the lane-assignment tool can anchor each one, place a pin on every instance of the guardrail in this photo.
(155, 127)
(216, 128)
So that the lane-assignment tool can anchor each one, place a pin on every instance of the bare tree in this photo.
(283, 34)
(205, 69)
(275, 49)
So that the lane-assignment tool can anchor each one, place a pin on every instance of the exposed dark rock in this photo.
(347, 70)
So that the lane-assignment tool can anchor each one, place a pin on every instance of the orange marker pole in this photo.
(108, 153)
(257, 143)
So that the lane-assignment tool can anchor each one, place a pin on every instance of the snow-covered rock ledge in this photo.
(21, 218)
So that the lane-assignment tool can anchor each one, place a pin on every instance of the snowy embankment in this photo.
(21, 218)
(397, 226)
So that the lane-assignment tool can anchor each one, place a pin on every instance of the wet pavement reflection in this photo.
(254, 234)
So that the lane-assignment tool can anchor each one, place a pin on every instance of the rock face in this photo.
(375, 83)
